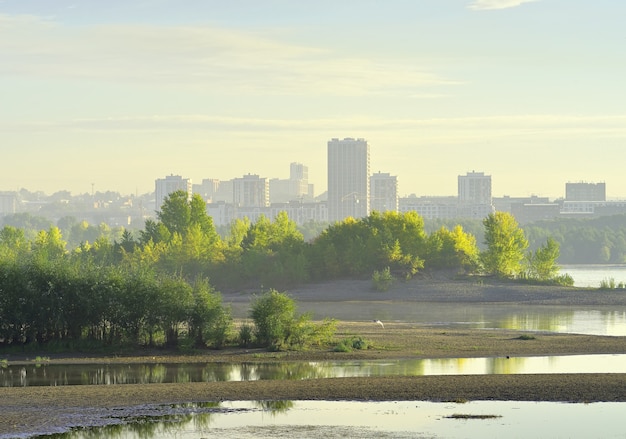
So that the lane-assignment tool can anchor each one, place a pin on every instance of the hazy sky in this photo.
(120, 92)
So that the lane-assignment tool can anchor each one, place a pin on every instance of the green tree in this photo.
(506, 245)
(13, 243)
(274, 314)
(273, 252)
(209, 321)
(452, 249)
(50, 245)
(542, 264)
(175, 213)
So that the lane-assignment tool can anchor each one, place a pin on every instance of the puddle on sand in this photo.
(341, 419)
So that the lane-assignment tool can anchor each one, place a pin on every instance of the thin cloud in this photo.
(207, 57)
(484, 5)
(488, 126)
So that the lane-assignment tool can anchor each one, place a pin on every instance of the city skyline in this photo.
(116, 94)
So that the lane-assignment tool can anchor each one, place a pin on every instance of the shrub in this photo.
(273, 314)
(564, 280)
(350, 344)
(245, 335)
(382, 280)
(276, 325)
(220, 328)
(607, 284)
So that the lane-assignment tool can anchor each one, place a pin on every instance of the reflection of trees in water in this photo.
(538, 321)
(157, 422)
(275, 407)
(277, 371)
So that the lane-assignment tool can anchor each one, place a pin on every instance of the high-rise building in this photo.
(251, 191)
(383, 192)
(348, 179)
(169, 184)
(475, 195)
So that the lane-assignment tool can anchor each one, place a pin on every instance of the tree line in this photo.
(146, 288)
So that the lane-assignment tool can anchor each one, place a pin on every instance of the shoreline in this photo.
(34, 410)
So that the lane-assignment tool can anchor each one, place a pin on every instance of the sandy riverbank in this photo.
(30, 409)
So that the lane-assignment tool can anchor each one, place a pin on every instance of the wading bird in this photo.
(379, 322)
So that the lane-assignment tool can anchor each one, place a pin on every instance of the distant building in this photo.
(383, 192)
(474, 194)
(348, 179)
(531, 212)
(169, 184)
(251, 191)
(506, 203)
(585, 191)
(297, 187)
(430, 207)
(207, 189)
(8, 203)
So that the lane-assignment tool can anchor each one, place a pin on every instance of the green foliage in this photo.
(358, 247)
(452, 249)
(277, 327)
(608, 284)
(382, 280)
(273, 252)
(564, 280)
(245, 335)
(76, 302)
(599, 240)
(541, 265)
(350, 344)
(506, 245)
(209, 321)
(273, 314)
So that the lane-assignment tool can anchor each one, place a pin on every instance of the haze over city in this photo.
(119, 93)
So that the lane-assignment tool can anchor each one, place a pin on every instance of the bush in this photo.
(382, 280)
(220, 328)
(276, 325)
(564, 280)
(273, 314)
(607, 284)
(350, 344)
(245, 335)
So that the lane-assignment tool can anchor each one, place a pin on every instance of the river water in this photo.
(120, 374)
(593, 275)
(406, 419)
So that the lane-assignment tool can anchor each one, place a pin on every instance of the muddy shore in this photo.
(28, 410)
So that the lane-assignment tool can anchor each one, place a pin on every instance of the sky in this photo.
(114, 94)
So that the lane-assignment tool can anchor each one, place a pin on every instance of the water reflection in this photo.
(394, 419)
(58, 374)
(600, 321)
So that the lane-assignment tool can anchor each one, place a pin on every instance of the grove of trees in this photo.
(160, 286)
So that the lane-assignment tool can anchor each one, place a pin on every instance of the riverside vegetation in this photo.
(164, 288)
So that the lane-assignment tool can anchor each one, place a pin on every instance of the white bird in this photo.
(379, 322)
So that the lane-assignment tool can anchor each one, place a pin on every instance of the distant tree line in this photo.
(160, 285)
